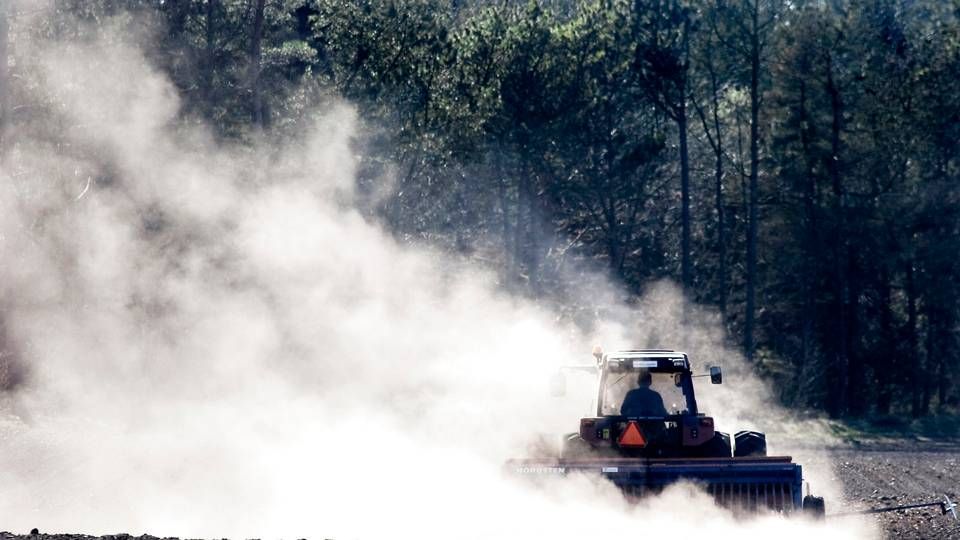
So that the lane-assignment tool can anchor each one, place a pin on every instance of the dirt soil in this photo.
(874, 475)
(894, 473)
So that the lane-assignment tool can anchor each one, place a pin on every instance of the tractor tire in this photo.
(574, 447)
(718, 446)
(814, 507)
(749, 443)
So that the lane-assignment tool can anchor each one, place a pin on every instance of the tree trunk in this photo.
(856, 375)
(753, 224)
(943, 378)
(506, 230)
(714, 136)
(811, 239)
(521, 230)
(932, 357)
(915, 378)
(256, 57)
(686, 270)
(209, 59)
(686, 267)
(718, 194)
(532, 236)
(840, 251)
(884, 360)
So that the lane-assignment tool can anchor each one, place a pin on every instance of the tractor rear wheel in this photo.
(814, 507)
(749, 443)
(718, 446)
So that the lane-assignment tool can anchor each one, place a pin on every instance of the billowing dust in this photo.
(220, 344)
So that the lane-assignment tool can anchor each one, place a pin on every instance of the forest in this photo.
(792, 164)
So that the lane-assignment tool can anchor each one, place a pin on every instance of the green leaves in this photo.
(546, 133)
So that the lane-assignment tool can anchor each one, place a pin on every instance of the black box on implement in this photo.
(648, 433)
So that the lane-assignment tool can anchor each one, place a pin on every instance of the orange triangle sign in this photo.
(632, 436)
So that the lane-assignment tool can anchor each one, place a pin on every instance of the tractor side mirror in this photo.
(716, 376)
(558, 385)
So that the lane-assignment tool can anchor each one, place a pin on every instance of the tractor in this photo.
(648, 433)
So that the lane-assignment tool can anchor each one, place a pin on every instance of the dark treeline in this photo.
(795, 164)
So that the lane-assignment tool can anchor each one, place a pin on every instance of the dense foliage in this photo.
(794, 163)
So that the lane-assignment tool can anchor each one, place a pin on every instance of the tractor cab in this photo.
(667, 375)
(646, 406)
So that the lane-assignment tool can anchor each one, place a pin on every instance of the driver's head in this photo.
(644, 379)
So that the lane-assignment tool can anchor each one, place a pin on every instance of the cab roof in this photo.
(646, 353)
(662, 359)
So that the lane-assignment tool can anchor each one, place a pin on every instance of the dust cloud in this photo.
(220, 344)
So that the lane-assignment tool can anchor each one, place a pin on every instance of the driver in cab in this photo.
(643, 401)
